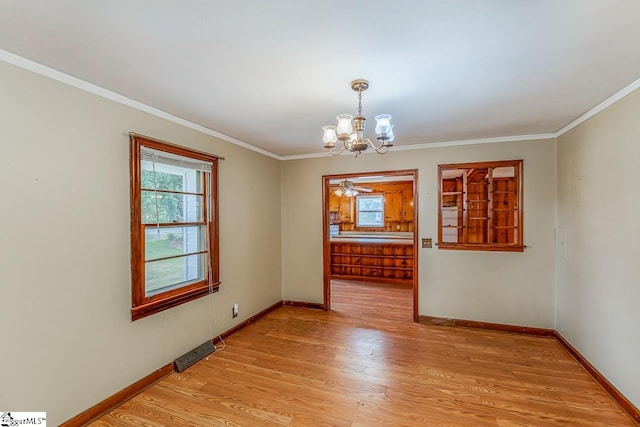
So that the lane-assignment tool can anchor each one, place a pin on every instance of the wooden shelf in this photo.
(373, 255)
(372, 261)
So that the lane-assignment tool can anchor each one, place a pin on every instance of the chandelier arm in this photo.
(337, 153)
(382, 150)
(377, 149)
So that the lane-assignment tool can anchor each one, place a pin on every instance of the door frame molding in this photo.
(326, 244)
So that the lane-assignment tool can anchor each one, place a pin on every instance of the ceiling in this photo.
(271, 74)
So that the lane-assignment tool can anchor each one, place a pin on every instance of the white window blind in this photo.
(157, 156)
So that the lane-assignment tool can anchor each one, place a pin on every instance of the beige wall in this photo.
(68, 342)
(514, 288)
(64, 243)
(599, 242)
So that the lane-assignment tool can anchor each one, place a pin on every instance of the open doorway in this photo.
(370, 240)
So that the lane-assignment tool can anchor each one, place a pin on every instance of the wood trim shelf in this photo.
(372, 279)
(373, 255)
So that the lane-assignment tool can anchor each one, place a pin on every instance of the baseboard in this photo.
(127, 393)
(619, 398)
(245, 323)
(119, 398)
(442, 321)
(139, 386)
(602, 381)
(316, 305)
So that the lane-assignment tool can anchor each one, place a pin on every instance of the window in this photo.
(174, 232)
(370, 212)
(480, 206)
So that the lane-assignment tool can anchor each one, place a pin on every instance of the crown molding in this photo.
(43, 70)
(598, 108)
(35, 67)
(425, 145)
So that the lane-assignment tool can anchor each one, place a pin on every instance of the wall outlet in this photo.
(426, 243)
(234, 311)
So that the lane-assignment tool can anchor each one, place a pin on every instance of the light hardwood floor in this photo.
(366, 363)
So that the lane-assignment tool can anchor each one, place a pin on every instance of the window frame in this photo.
(141, 305)
(518, 245)
(357, 209)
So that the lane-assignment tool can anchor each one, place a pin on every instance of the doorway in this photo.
(370, 234)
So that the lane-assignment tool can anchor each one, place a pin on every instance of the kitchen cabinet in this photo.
(346, 209)
(407, 205)
(393, 206)
(334, 202)
(376, 262)
(340, 209)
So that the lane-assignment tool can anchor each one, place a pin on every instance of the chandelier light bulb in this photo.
(390, 135)
(383, 124)
(329, 136)
(345, 127)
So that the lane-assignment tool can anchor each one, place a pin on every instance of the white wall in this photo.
(503, 287)
(68, 342)
(599, 242)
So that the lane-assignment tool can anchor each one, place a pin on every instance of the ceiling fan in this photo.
(349, 189)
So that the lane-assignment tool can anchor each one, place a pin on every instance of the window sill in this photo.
(481, 247)
(160, 303)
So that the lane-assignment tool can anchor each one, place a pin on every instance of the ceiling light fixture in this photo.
(347, 188)
(350, 130)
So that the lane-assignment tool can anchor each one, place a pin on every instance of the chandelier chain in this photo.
(359, 102)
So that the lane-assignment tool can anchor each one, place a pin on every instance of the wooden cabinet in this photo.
(340, 209)
(398, 209)
(334, 202)
(346, 209)
(393, 206)
(407, 204)
(372, 262)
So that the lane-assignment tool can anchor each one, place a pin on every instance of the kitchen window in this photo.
(370, 211)
(174, 233)
(480, 206)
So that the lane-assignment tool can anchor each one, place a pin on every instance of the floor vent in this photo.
(198, 353)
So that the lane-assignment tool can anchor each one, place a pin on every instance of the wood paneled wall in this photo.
(398, 207)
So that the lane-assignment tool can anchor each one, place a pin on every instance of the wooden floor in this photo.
(366, 363)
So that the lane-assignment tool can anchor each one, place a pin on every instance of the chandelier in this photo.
(350, 130)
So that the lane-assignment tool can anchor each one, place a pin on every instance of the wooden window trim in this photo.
(502, 247)
(142, 306)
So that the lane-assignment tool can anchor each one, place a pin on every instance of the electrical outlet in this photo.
(426, 243)
(234, 311)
